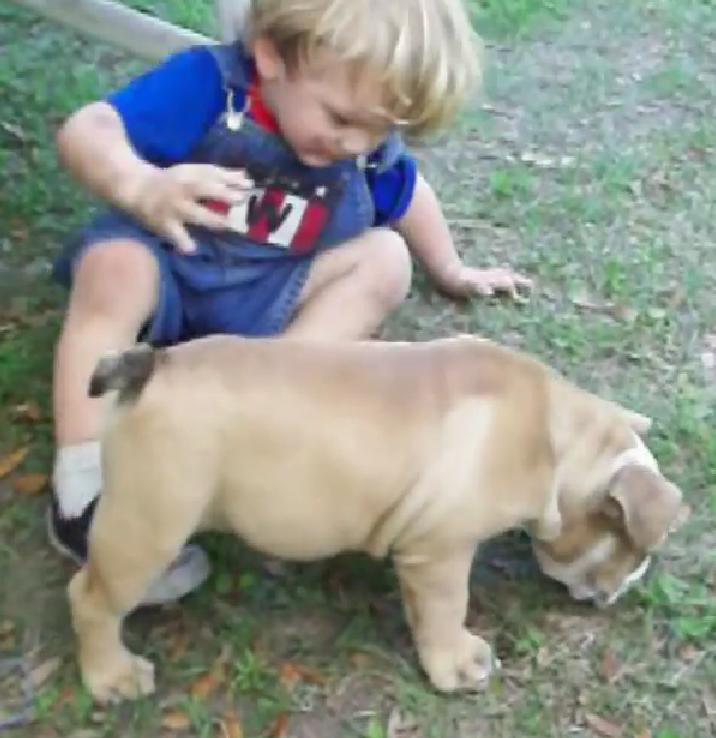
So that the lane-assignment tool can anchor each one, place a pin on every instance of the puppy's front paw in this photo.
(465, 665)
(123, 677)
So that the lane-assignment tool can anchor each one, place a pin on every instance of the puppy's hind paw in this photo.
(465, 667)
(126, 677)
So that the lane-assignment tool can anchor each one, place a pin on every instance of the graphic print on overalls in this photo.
(282, 211)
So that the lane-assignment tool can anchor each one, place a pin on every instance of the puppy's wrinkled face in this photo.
(594, 558)
(599, 554)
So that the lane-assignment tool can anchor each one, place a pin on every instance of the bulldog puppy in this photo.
(414, 450)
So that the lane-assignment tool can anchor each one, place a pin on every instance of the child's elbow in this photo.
(82, 126)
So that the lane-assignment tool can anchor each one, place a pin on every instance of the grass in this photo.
(589, 163)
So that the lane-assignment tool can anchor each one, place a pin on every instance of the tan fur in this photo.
(305, 449)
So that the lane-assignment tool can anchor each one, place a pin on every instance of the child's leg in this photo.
(114, 291)
(352, 289)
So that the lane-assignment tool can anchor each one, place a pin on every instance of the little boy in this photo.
(257, 188)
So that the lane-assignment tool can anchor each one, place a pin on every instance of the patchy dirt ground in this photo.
(590, 163)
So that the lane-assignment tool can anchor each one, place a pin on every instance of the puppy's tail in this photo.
(128, 372)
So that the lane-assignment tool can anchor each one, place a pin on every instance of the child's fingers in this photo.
(511, 283)
(510, 288)
(179, 236)
(201, 215)
(524, 282)
(482, 288)
(199, 179)
(519, 298)
(223, 193)
(507, 287)
(235, 178)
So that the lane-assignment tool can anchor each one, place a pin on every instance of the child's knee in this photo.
(116, 279)
(390, 266)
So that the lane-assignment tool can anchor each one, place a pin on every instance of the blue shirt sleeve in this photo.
(167, 110)
(392, 189)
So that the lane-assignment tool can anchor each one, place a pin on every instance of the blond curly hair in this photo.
(425, 52)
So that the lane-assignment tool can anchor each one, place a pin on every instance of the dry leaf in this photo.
(689, 652)
(175, 720)
(29, 484)
(15, 131)
(708, 357)
(610, 668)
(624, 313)
(539, 160)
(10, 462)
(311, 675)
(27, 411)
(98, 716)
(67, 696)
(361, 660)
(207, 683)
(401, 725)
(230, 726)
(677, 297)
(7, 627)
(581, 298)
(602, 726)
(291, 672)
(543, 656)
(288, 675)
(178, 645)
(279, 729)
(41, 673)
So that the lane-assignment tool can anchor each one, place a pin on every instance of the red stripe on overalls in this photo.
(310, 227)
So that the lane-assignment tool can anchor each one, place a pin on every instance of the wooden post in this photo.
(138, 33)
(230, 17)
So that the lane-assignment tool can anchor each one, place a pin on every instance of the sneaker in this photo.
(185, 574)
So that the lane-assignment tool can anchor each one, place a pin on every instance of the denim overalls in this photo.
(246, 280)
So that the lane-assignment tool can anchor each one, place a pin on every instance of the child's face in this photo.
(325, 111)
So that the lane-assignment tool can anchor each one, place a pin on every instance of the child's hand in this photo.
(467, 281)
(167, 200)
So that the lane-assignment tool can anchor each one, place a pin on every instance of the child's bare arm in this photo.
(427, 234)
(94, 146)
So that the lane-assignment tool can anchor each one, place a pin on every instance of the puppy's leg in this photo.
(130, 544)
(435, 596)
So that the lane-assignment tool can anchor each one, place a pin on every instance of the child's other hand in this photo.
(167, 200)
(467, 281)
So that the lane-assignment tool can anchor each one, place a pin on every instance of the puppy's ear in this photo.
(548, 526)
(649, 505)
(637, 422)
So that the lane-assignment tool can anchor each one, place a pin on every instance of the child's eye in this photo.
(339, 120)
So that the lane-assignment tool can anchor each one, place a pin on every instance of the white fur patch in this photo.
(630, 579)
(77, 477)
(638, 455)
(572, 574)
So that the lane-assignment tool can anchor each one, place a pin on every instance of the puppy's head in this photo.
(605, 542)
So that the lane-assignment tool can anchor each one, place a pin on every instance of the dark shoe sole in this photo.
(69, 535)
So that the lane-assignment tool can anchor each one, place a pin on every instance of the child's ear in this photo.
(269, 64)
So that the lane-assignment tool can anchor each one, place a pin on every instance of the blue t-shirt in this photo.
(168, 110)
